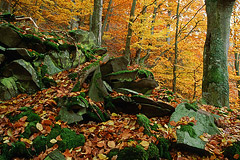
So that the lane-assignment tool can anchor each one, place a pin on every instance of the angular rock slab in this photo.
(9, 36)
(205, 124)
(25, 75)
(139, 104)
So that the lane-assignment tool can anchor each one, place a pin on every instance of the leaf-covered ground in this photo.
(122, 130)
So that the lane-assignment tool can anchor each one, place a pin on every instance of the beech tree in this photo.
(96, 27)
(215, 88)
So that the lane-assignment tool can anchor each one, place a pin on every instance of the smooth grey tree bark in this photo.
(96, 26)
(215, 88)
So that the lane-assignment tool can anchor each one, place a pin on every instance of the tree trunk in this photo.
(129, 34)
(176, 51)
(5, 6)
(96, 26)
(106, 17)
(215, 89)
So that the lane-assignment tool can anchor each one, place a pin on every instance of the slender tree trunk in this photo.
(129, 34)
(176, 51)
(215, 88)
(139, 50)
(96, 26)
(5, 6)
(106, 17)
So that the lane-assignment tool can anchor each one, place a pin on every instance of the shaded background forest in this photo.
(155, 30)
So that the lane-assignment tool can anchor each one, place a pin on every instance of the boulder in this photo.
(8, 88)
(9, 35)
(114, 65)
(190, 138)
(78, 59)
(51, 67)
(61, 59)
(97, 90)
(144, 85)
(24, 73)
(17, 53)
(87, 39)
(138, 104)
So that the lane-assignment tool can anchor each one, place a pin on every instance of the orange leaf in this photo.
(173, 123)
(217, 151)
(111, 144)
(236, 156)
(67, 153)
(59, 138)
(101, 144)
(47, 122)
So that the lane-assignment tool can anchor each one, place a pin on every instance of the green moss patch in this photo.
(145, 122)
(188, 128)
(163, 146)
(133, 153)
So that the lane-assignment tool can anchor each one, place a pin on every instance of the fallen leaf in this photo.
(102, 156)
(217, 151)
(101, 144)
(53, 141)
(39, 126)
(236, 156)
(173, 123)
(145, 144)
(58, 138)
(111, 144)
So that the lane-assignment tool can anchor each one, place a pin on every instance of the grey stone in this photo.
(97, 90)
(87, 39)
(51, 67)
(18, 53)
(8, 88)
(79, 58)
(139, 104)
(205, 124)
(9, 36)
(25, 74)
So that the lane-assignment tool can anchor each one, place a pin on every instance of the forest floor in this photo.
(114, 133)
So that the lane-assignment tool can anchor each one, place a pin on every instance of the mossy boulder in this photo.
(8, 88)
(188, 135)
(51, 67)
(72, 108)
(9, 35)
(25, 74)
(87, 39)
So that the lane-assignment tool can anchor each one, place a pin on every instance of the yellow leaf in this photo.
(110, 122)
(114, 114)
(92, 129)
(145, 144)
(102, 156)
(9, 132)
(39, 126)
(53, 141)
(26, 140)
(203, 138)
(3, 107)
